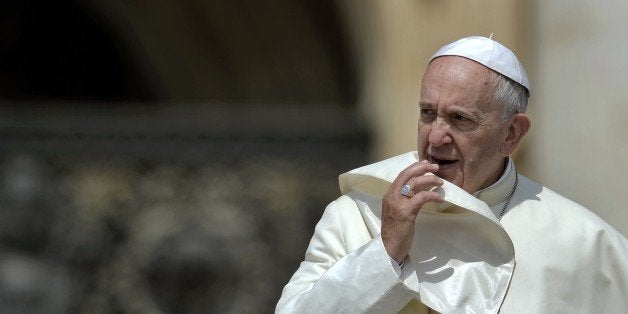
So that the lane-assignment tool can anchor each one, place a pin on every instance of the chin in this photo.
(450, 174)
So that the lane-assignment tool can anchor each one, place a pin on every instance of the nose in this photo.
(439, 133)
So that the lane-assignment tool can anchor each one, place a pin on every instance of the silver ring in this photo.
(406, 190)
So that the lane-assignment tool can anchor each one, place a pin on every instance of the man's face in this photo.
(460, 125)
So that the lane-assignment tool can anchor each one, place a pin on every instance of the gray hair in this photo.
(512, 95)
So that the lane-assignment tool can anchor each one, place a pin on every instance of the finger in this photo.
(423, 183)
(421, 198)
(407, 190)
(415, 170)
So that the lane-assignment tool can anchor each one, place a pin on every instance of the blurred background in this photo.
(174, 156)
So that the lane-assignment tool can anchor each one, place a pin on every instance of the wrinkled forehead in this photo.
(458, 80)
(454, 70)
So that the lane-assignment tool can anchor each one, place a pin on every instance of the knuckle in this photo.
(409, 168)
(425, 196)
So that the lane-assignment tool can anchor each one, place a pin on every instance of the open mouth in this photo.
(441, 162)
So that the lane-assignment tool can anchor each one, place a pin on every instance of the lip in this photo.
(442, 161)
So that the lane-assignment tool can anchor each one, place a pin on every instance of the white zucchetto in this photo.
(489, 53)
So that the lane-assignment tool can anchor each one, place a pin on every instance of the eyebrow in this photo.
(473, 115)
(455, 109)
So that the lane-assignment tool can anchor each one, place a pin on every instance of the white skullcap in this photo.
(489, 53)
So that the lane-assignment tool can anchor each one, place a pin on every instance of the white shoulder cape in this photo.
(463, 257)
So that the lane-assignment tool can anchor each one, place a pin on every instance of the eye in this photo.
(462, 121)
(427, 114)
(459, 117)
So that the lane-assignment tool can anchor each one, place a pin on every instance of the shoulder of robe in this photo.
(566, 217)
(340, 210)
(328, 242)
(354, 224)
(344, 207)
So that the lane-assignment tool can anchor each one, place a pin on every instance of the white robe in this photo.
(547, 255)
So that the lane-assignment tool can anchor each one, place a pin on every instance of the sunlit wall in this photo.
(580, 139)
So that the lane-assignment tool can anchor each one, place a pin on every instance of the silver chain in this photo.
(514, 187)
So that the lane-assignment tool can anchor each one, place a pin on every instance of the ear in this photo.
(518, 128)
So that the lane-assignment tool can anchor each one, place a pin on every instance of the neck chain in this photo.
(514, 187)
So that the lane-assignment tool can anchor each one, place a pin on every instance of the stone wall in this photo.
(163, 220)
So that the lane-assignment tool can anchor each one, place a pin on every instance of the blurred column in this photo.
(580, 103)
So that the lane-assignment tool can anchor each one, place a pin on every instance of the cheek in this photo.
(423, 130)
(422, 139)
(480, 154)
(473, 151)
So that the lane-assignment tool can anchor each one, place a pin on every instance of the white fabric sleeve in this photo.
(330, 280)
(395, 266)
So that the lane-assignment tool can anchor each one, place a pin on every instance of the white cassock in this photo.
(547, 255)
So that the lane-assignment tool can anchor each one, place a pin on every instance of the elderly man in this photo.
(455, 227)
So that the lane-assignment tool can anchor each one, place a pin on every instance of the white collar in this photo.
(498, 192)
